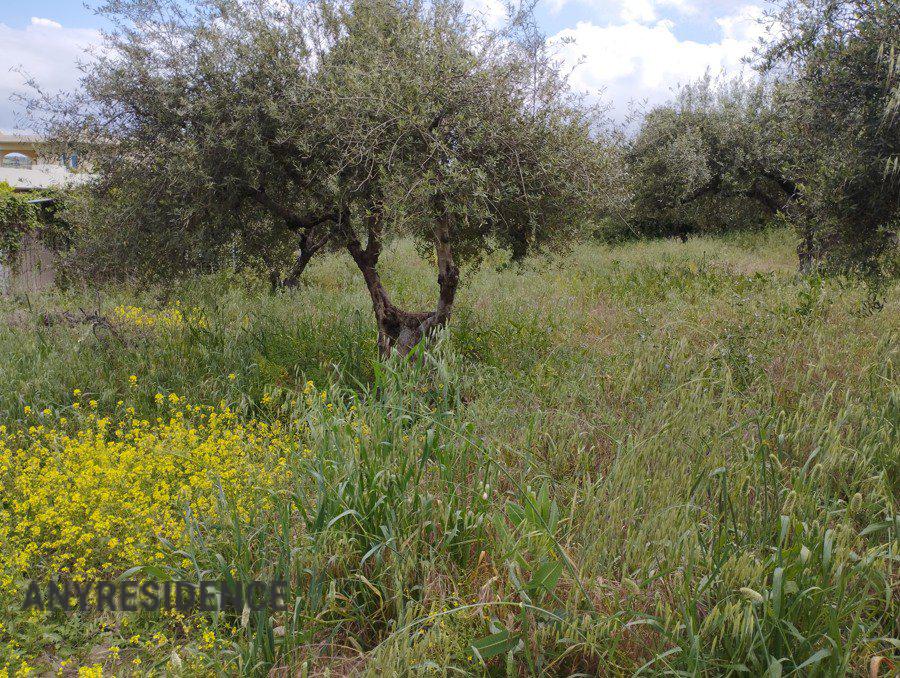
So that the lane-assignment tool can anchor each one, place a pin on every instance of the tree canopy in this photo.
(816, 139)
(232, 130)
(837, 60)
(709, 161)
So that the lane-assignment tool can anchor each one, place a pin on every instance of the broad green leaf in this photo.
(495, 644)
(546, 576)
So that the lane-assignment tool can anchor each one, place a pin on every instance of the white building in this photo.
(26, 164)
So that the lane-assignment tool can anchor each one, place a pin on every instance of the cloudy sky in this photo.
(628, 50)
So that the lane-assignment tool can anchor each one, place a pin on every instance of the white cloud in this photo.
(744, 26)
(642, 11)
(681, 6)
(646, 11)
(47, 23)
(636, 62)
(44, 50)
(638, 10)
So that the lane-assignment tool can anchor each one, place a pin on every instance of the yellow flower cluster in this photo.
(97, 500)
(174, 316)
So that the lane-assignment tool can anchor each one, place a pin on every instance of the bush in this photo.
(17, 217)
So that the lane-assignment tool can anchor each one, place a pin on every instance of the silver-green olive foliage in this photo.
(708, 161)
(838, 63)
(228, 130)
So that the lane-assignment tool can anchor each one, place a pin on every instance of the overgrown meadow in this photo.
(662, 458)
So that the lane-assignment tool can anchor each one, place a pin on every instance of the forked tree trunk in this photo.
(309, 246)
(300, 263)
(400, 331)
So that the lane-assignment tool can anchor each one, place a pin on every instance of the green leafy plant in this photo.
(17, 217)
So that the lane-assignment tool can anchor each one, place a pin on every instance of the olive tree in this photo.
(837, 60)
(709, 161)
(238, 128)
(199, 124)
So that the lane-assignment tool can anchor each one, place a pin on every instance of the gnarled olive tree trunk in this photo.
(310, 243)
(399, 331)
(293, 277)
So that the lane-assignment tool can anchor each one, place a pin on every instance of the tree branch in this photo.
(291, 220)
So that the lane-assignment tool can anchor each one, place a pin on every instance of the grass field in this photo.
(658, 458)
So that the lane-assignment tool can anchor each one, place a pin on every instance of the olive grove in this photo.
(712, 160)
(253, 134)
(814, 142)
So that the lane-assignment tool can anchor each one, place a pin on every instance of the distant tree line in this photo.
(710, 161)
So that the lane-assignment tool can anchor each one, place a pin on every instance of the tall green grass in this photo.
(654, 459)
